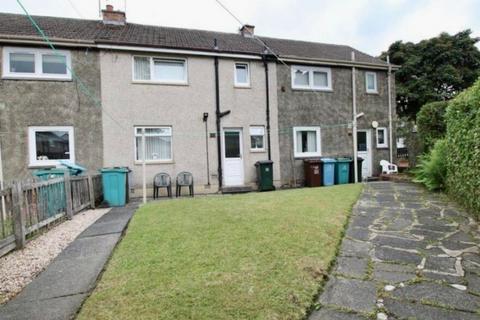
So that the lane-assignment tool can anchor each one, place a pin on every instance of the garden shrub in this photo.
(431, 123)
(463, 145)
(432, 167)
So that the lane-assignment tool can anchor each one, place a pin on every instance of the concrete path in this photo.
(59, 291)
(407, 254)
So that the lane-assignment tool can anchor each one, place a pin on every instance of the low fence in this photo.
(29, 206)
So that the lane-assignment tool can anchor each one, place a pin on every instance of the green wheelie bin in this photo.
(265, 175)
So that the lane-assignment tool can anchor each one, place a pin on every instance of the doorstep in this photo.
(236, 189)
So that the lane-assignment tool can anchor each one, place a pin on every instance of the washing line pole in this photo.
(390, 120)
(144, 174)
(354, 121)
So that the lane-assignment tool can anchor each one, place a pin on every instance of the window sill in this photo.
(372, 92)
(139, 163)
(298, 156)
(312, 89)
(382, 147)
(258, 150)
(237, 86)
(184, 84)
(40, 166)
(33, 78)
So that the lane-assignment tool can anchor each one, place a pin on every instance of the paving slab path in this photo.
(59, 291)
(407, 254)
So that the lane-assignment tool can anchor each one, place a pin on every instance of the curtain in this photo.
(54, 64)
(320, 79)
(141, 68)
(156, 148)
(169, 70)
(311, 141)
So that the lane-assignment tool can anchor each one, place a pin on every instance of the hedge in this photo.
(463, 145)
(431, 123)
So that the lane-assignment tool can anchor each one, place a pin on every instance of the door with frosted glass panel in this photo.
(233, 157)
(364, 151)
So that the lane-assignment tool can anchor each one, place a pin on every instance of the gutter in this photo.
(17, 39)
(330, 62)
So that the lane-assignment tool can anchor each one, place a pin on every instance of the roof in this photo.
(132, 34)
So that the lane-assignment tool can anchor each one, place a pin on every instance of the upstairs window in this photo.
(371, 82)
(158, 144)
(311, 78)
(242, 75)
(257, 138)
(30, 63)
(306, 142)
(48, 145)
(159, 70)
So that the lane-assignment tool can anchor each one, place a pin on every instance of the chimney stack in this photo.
(247, 30)
(111, 16)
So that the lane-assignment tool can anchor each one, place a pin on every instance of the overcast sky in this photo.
(368, 25)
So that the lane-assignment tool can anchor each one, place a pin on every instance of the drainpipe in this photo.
(267, 92)
(217, 115)
(390, 121)
(354, 121)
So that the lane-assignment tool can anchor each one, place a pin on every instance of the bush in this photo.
(463, 143)
(431, 123)
(432, 167)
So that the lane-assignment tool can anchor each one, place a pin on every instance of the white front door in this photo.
(232, 157)
(364, 150)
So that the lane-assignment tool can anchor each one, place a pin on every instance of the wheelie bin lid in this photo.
(328, 160)
(75, 169)
(115, 169)
(260, 162)
(43, 172)
(343, 159)
(312, 160)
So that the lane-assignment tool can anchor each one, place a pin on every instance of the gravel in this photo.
(20, 267)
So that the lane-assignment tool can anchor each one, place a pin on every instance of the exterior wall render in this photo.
(133, 104)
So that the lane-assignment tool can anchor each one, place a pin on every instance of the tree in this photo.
(435, 69)
(431, 123)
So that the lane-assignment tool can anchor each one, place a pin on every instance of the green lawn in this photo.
(251, 256)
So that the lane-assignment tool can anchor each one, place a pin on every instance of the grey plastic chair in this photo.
(162, 180)
(184, 179)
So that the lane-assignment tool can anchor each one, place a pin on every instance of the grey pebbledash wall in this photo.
(332, 111)
(25, 103)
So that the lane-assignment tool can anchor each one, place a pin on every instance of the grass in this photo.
(252, 256)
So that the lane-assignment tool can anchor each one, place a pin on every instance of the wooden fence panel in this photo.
(28, 206)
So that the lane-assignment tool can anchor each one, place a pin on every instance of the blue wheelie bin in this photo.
(114, 182)
(328, 171)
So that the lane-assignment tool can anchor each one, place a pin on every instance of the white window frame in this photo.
(184, 81)
(263, 138)
(38, 74)
(32, 145)
(375, 89)
(385, 144)
(307, 154)
(240, 84)
(310, 71)
(135, 135)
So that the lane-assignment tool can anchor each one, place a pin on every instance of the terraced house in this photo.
(206, 102)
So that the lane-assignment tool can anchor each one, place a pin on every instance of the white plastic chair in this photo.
(388, 167)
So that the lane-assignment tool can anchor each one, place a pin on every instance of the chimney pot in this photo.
(247, 30)
(111, 16)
